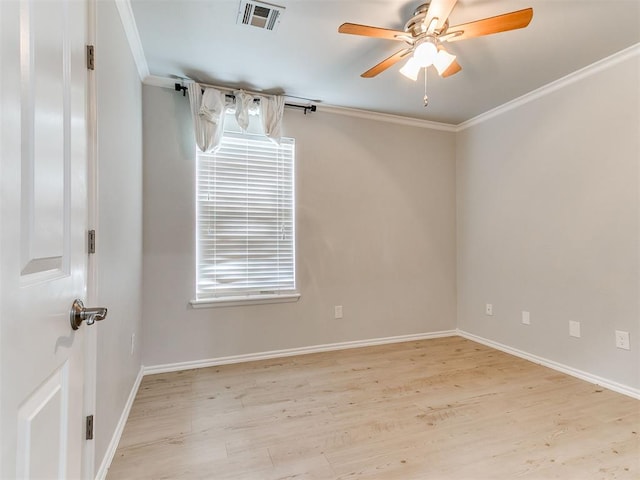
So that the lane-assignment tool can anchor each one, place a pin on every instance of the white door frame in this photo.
(91, 342)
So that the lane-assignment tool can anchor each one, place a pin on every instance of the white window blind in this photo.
(245, 218)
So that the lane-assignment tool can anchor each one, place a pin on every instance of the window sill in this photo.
(248, 300)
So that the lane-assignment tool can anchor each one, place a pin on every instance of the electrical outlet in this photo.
(574, 328)
(133, 343)
(337, 311)
(622, 339)
(488, 309)
(525, 318)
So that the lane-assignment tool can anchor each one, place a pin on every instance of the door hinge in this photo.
(90, 57)
(91, 241)
(89, 428)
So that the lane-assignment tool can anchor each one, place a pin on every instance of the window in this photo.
(246, 221)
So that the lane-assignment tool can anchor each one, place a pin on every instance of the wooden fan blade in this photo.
(452, 70)
(367, 31)
(440, 9)
(487, 26)
(386, 63)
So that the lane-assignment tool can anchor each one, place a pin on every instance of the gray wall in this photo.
(119, 244)
(548, 222)
(376, 234)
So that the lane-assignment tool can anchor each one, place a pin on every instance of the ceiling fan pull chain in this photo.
(426, 98)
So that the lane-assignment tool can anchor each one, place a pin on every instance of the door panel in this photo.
(45, 84)
(42, 421)
(43, 218)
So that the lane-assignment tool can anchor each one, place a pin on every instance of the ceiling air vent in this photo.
(259, 14)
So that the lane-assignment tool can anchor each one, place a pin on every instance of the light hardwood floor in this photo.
(436, 409)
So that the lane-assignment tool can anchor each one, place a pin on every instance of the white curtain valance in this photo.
(244, 101)
(271, 112)
(208, 111)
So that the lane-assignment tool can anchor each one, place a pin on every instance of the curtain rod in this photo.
(181, 88)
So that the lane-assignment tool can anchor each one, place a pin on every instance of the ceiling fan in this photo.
(426, 32)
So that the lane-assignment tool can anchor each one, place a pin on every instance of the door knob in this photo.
(80, 313)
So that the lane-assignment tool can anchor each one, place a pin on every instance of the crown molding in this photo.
(133, 36)
(386, 117)
(162, 82)
(549, 88)
(165, 82)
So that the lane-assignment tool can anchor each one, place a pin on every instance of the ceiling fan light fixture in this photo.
(443, 61)
(426, 52)
(411, 69)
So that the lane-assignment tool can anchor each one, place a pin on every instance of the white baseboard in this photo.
(251, 357)
(115, 439)
(574, 372)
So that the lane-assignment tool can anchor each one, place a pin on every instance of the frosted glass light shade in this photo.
(443, 61)
(425, 53)
(411, 69)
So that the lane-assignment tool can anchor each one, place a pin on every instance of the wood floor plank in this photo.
(445, 408)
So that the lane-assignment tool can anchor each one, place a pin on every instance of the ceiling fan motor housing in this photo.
(416, 26)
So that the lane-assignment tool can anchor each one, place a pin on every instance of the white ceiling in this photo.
(306, 57)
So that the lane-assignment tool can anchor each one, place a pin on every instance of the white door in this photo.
(43, 218)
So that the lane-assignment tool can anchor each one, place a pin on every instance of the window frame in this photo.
(247, 298)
